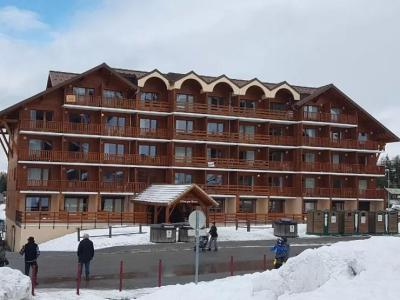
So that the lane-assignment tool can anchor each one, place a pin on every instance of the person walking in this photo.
(281, 250)
(85, 254)
(213, 237)
(3, 259)
(31, 252)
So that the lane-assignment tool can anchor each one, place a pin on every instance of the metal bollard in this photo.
(236, 224)
(248, 226)
(121, 274)
(78, 279)
(33, 279)
(140, 228)
(231, 266)
(78, 231)
(159, 273)
(110, 232)
(265, 262)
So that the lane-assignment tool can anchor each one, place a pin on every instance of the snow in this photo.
(162, 193)
(2, 211)
(357, 270)
(14, 285)
(69, 242)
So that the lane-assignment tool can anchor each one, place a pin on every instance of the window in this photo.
(362, 136)
(184, 126)
(77, 175)
(79, 118)
(309, 205)
(362, 184)
(78, 147)
(336, 158)
(277, 106)
(75, 204)
(214, 153)
(337, 205)
(81, 91)
(183, 178)
(276, 156)
(276, 206)
(215, 100)
(247, 180)
(112, 204)
(40, 115)
(38, 174)
(221, 205)
(112, 94)
(336, 135)
(113, 121)
(309, 157)
(148, 124)
(114, 149)
(276, 131)
(247, 205)
(214, 179)
(37, 203)
(276, 181)
(245, 103)
(309, 132)
(149, 96)
(215, 127)
(37, 145)
(310, 109)
(335, 113)
(309, 183)
(247, 129)
(183, 99)
(183, 152)
(147, 150)
(337, 183)
(247, 155)
(113, 176)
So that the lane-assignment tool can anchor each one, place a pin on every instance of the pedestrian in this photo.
(31, 252)
(213, 237)
(85, 254)
(281, 250)
(3, 259)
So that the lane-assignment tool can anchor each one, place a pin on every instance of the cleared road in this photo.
(58, 269)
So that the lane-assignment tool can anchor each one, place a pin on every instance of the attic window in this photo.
(81, 91)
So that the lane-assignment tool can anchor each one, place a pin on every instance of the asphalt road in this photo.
(58, 269)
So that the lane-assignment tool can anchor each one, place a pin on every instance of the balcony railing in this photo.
(341, 143)
(331, 118)
(341, 168)
(344, 193)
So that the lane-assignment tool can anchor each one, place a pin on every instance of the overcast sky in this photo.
(353, 44)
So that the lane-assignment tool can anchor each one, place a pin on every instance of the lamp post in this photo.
(388, 186)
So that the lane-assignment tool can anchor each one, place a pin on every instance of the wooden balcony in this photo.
(344, 192)
(316, 192)
(282, 191)
(281, 165)
(236, 189)
(330, 118)
(254, 218)
(341, 168)
(342, 143)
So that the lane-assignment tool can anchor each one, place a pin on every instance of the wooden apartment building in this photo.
(80, 151)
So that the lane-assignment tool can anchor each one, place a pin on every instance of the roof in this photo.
(393, 191)
(168, 194)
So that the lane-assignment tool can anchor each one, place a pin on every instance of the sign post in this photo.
(197, 220)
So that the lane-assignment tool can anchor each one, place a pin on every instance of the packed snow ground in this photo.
(356, 270)
(69, 242)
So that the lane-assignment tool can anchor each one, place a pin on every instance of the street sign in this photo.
(201, 219)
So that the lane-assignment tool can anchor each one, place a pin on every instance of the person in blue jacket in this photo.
(281, 250)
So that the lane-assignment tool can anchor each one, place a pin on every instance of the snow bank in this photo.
(2, 211)
(14, 285)
(69, 242)
(362, 269)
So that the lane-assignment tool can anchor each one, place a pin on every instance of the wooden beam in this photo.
(4, 147)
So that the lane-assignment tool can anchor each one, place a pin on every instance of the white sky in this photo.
(351, 43)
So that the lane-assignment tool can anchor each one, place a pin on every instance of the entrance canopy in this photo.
(174, 201)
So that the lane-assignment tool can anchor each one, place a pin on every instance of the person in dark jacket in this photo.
(281, 250)
(85, 254)
(31, 252)
(213, 237)
(3, 259)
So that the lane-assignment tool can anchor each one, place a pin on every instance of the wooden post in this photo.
(78, 231)
(109, 232)
(159, 272)
(78, 279)
(121, 274)
(231, 265)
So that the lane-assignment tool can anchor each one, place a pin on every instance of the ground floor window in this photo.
(221, 205)
(276, 206)
(364, 205)
(112, 204)
(75, 204)
(309, 205)
(247, 205)
(37, 203)
(337, 205)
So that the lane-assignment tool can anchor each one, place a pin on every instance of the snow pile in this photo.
(364, 269)
(2, 211)
(69, 242)
(14, 285)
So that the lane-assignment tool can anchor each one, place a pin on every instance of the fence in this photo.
(110, 233)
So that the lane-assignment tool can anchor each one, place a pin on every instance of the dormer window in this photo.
(82, 92)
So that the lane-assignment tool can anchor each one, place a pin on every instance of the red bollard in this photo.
(78, 279)
(265, 262)
(231, 266)
(121, 274)
(159, 272)
(33, 279)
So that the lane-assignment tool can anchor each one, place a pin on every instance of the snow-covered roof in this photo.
(166, 194)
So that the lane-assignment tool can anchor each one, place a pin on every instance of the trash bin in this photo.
(285, 228)
(162, 233)
(350, 222)
(319, 223)
(183, 234)
(380, 222)
(363, 222)
(393, 221)
(335, 222)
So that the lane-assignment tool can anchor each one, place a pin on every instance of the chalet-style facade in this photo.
(80, 151)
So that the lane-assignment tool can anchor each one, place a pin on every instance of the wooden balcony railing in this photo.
(344, 193)
(256, 218)
(342, 143)
(331, 118)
